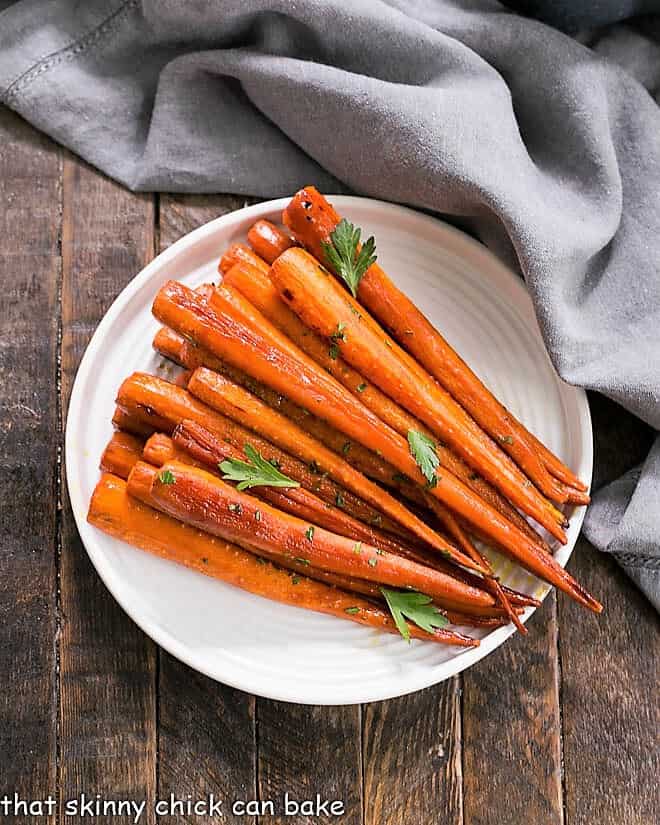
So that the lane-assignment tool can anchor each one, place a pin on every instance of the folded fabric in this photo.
(547, 152)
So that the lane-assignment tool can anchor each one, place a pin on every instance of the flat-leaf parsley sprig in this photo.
(416, 607)
(422, 449)
(255, 472)
(346, 257)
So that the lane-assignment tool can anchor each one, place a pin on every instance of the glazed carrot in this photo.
(240, 252)
(161, 405)
(325, 307)
(114, 512)
(210, 450)
(311, 218)
(193, 444)
(202, 500)
(125, 422)
(236, 403)
(268, 240)
(274, 360)
(285, 368)
(176, 348)
(257, 287)
(121, 453)
(240, 405)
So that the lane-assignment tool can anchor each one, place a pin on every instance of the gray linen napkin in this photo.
(547, 152)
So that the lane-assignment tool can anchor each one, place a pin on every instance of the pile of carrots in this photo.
(326, 447)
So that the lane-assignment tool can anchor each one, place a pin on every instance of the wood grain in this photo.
(412, 758)
(108, 666)
(207, 730)
(511, 730)
(304, 751)
(29, 266)
(610, 672)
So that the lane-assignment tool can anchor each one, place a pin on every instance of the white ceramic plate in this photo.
(271, 649)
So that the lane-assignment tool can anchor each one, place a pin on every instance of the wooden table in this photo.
(557, 727)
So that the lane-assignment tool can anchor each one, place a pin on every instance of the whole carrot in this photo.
(114, 512)
(162, 405)
(324, 306)
(240, 252)
(281, 365)
(207, 448)
(200, 499)
(268, 240)
(236, 403)
(259, 291)
(121, 453)
(312, 219)
(275, 361)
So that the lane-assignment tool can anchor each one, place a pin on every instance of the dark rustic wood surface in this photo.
(558, 727)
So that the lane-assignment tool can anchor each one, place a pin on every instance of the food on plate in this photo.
(325, 447)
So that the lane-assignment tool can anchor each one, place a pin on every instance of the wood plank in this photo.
(207, 730)
(412, 758)
(30, 173)
(511, 729)
(108, 666)
(305, 750)
(610, 667)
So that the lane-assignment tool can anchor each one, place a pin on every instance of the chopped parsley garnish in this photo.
(166, 477)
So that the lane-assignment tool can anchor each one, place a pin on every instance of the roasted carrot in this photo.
(121, 453)
(268, 240)
(114, 512)
(161, 405)
(312, 218)
(193, 444)
(285, 368)
(240, 252)
(325, 307)
(274, 360)
(125, 422)
(236, 403)
(209, 449)
(202, 500)
(259, 291)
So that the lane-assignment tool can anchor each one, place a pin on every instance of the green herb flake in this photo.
(338, 334)
(301, 560)
(257, 515)
(314, 467)
(339, 499)
(506, 439)
(357, 547)
(373, 562)
(351, 610)
(309, 533)
(255, 472)
(400, 478)
(361, 387)
(377, 519)
(236, 508)
(295, 580)
(260, 560)
(166, 477)
(345, 256)
(422, 449)
(333, 352)
(346, 447)
(380, 552)
(416, 607)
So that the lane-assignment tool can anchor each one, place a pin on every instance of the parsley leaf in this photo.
(416, 607)
(345, 256)
(422, 449)
(166, 477)
(256, 472)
